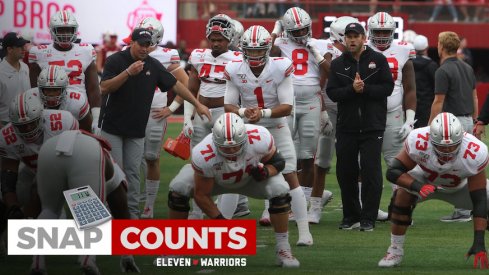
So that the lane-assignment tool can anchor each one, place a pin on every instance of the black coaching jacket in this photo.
(360, 112)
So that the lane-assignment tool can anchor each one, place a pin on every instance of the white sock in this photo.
(227, 204)
(299, 208)
(397, 240)
(282, 239)
(152, 187)
(315, 202)
(307, 192)
(267, 204)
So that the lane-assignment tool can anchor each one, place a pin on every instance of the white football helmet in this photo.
(229, 131)
(296, 19)
(63, 28)
(25, 114)
(409, 36)
(238, 32)
(222, 24)
(256, 38)
(52, 77)
(337, 28)
(381, 21)
(156, 28)
(446, 131)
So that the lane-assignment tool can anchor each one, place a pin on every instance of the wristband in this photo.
(174, 106)
(95, 113)
(266, 113)
(241, 112)
(128, 73)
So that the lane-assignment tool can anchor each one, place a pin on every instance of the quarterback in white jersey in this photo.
(236, 158)
(156, 127)
(439, 162)
(260, 90)
(310, 66)
(30, 125)
(78, 60)
(52, 89)
(207, 75)
(401, 105)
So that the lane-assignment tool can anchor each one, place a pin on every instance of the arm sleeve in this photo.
(385, 85)
(441, 82)
(335, 91)
(285, 91)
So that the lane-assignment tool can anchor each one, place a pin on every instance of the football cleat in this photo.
(284, 257)
(147, 212)
(382, 216)
(314, 214)
(305, 239)
(392, 258)
(128, 265)
(265, 218)
(326, 198)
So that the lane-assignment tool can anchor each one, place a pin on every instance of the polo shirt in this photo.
(125, 112)
(456, 80)
(12, 83)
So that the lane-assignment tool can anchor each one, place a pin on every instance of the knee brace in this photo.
(178, 203)
(400, 210)
(9, 181)
(280, 205)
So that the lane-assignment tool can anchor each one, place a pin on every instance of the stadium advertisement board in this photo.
(31, 17)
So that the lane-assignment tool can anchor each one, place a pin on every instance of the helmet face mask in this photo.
(221, 24)
(63, 28)
(256, 43)
(337, 28)
(229, 135)
(52, 83)
(25, 114)
(381, 28)
(155, 26)
(446, 135)
(297, 25)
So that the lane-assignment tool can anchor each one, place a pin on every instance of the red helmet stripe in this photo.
(65, 17)
(51, 75)
(21, 106)
(254, 34)
(446, 130)
(228, 127)
(296, 16)
(382, 19)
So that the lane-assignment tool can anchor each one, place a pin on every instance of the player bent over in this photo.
(72, 160)
(236, 158)
(439, 162)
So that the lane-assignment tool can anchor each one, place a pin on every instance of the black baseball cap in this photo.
(355, 27)
(13, 39)
(141, 36)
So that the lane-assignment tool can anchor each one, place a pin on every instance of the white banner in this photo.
(58, 237)
(31, 17)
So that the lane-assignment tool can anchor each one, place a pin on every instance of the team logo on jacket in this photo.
(372, 65)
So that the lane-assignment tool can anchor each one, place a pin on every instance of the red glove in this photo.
(427, 190)
(260, 172)
(480, 260)
(478, 250)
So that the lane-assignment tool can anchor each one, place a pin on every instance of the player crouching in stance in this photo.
(439, 162)
(236, 158)
(72, 160)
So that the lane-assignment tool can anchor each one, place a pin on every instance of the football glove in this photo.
(326, 127)
(479, 251)
(427, 190)
(408, 126)
(259, 172)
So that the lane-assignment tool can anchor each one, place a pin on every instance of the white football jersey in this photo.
(75, 61)
(327, 46)
(74, 102)
(306, 67)
(211, 70)
(260, 91)
(471, 159)
(397, 55)
(14, 147)
(208, 162)
(166, 57)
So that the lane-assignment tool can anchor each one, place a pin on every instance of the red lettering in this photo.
(75, 95)
(20, 19)
(2, 7)
(36, 13)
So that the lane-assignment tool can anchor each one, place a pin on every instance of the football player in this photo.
(310, 66)
(30, 125)
(78, 60)
(156, 128)
(52, 88)
(441, 162)
(260, 90)
(236, 158)
(83, 159)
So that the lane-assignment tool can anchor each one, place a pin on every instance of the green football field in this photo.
(431, 247)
